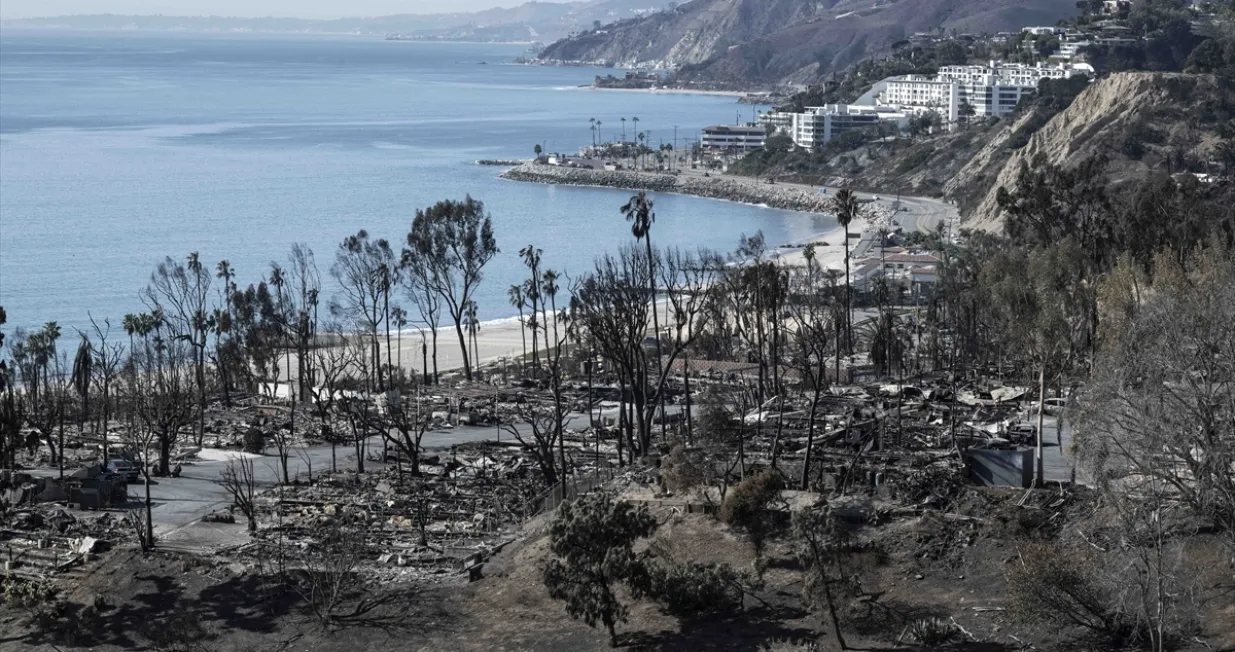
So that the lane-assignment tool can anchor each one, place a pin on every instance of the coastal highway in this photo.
(916, 213)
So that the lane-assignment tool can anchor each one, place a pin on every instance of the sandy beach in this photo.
(504, 338)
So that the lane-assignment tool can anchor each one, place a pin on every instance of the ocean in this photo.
(118, 149)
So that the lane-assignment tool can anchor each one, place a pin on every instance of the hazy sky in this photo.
(297, 8)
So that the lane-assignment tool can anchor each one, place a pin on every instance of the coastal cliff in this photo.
(1139, 121)
(770, 195)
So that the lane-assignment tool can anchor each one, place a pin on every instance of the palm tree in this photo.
(531, 293)
(638, 211)
(82, 368)
(641, 137)
(845, 205)
(600, 135)
(515, 294)
(593, 122)
(623, 129)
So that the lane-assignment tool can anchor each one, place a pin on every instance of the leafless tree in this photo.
(333, 363)
(181, 293)
(404, 423)
(108, 363)
(330, 578)
(419, 284)
(238, 479)
(812, 337)
(362, 269)
(1160, 403)
(163, 391)
(611, 305)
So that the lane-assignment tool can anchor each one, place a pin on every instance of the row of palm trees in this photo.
(598, 137)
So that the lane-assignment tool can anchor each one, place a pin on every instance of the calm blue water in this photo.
(119, 149)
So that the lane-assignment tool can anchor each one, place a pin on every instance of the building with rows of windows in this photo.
(989, 90)
(820, 124)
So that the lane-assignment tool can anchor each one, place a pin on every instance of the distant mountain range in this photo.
(529, 22)
(745, 42)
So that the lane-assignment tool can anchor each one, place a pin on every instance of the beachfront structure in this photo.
(992, 90)
(732, 138)
(820, 124)
(921, 93)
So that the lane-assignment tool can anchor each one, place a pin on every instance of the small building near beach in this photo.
(733, 138)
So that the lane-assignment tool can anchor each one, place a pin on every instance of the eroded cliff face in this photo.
(786, 41)
(1167, 111)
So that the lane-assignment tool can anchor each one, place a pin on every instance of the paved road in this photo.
(177, 502)
(916, 213)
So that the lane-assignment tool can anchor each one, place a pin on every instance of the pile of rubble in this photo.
(431, 527)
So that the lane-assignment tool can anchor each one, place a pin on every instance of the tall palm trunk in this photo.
(660, 399)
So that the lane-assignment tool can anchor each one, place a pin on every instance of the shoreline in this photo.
(711, 187)
(665, 91)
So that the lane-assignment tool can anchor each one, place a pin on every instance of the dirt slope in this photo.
(1173, 117)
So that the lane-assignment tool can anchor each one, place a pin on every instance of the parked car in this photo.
(125, 468)
(1054, 406)
(1023, 434)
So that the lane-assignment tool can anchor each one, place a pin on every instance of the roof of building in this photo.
(733, 129)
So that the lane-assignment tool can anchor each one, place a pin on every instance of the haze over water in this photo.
(118, 149)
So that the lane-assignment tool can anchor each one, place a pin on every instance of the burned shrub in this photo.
(933, 632)
(682, 469)
(1058, 586)
(692, 590)
(749, 508)
(254, 441)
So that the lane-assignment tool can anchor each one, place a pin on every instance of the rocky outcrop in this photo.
(1102, 117)
(759, 194)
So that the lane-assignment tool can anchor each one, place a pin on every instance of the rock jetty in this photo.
(498, 162)
(746, 192)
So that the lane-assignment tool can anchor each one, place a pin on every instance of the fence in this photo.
(568, 489)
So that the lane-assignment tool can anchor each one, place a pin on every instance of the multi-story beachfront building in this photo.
(920, 93)
(820, 124)
(732, 138)
(992, 90)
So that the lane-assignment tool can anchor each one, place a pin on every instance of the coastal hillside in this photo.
(774, 41)
(1140, 122)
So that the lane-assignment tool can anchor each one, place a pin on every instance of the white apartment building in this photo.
(732, 138)
(992, 90)
(920, 93)
(820, 124)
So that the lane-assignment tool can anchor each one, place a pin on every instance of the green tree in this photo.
(593, 539)
(537, 150)
(454, 240)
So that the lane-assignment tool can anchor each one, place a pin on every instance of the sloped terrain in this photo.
(773, 41)
(1140, 121)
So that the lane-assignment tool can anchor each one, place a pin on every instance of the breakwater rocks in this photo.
(746, 192)
(501, 163)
